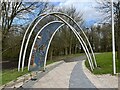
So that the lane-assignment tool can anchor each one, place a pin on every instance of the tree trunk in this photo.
(70, 49)
(66, 51)
(75, 49)
(51, 54)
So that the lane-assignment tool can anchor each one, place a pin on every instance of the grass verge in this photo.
(9, 75)
(105, 64)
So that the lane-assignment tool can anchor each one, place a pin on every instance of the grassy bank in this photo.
(9, 75)
(105, 63)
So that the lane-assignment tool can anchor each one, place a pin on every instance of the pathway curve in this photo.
(66, 75)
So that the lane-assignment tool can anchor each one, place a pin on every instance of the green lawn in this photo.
(105, 64)
(9, 75)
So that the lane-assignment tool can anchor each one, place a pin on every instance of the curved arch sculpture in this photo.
(56, 14)
(90, 62)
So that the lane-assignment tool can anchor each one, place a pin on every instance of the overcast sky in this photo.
(90, 14)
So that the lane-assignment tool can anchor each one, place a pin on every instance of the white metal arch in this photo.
(81, 42)
(89, 59)
(50, 42)
(36, 39)
(81, 39)
(29, 60)
(49, 46)
(21, 49)
(26, 45)
(83, 34)
(46, 54)
(31, 34)
(23, 57)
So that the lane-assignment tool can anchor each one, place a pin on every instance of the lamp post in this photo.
(113, 39)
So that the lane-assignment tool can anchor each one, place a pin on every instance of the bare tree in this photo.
(13, 10)
(105, 6)
(15, 17)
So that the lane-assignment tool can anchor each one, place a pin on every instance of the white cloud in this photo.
(90, 13)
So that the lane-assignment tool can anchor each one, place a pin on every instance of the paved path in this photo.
(78, 79)
(67, 75)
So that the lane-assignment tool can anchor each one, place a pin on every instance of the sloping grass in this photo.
(9, 75)
(105, 64)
